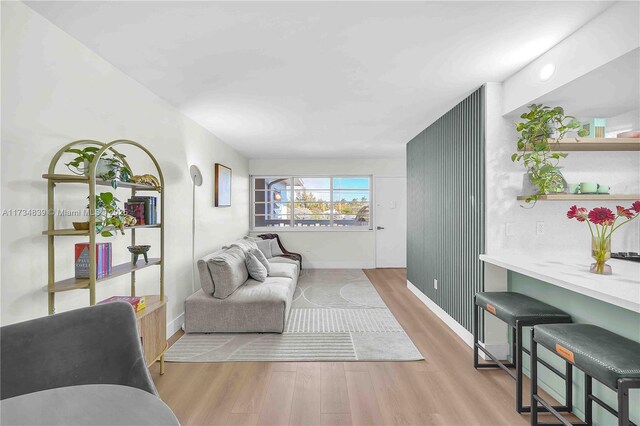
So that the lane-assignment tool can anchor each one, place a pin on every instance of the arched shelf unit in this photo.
(55, 286)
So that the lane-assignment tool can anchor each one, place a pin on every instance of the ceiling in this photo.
(607, 91)
(317, 79)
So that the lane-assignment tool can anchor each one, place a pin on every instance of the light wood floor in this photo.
(444, 389)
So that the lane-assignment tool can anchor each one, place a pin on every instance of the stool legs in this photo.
(475, 333)
(623, 403)
(588, 402)
(534, 381)
(518, 358)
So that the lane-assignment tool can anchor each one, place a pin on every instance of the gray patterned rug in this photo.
(336, 315)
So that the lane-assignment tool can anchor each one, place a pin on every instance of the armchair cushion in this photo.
(95, 345)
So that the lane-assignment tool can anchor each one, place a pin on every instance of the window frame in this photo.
(291, 227)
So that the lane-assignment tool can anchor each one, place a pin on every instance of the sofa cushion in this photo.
(280, 259)
(228, 271)
(265, 247)
(258, 254)
(254, 308)
(275, 247)
(206, 281)
(256, 269)
(288, 270)
(245, 244)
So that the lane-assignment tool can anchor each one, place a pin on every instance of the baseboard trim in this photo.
(175, 325)
(500, 351)
(308, 264)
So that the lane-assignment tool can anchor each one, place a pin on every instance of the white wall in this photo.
(504, 183)
(609, 36)
(55, 90)
(335, 248)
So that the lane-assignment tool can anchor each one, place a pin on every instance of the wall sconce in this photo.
(277, 196)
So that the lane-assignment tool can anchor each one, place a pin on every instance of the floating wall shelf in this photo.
(116, 271)
(85, 232)
(596, 144)
(63, 178)
(585, 197)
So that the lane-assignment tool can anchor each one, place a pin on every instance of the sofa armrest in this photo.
(285, 253)
(95, 345)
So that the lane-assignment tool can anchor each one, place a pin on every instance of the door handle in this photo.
(379, 227)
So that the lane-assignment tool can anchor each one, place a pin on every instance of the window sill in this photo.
(275, 230)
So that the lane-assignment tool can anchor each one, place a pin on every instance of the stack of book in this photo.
(103, 260)
(138, 303)
(144, 209)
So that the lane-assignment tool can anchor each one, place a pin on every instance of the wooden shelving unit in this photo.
(597, 144)
(55, 286)
(585, 197)
(151, 320)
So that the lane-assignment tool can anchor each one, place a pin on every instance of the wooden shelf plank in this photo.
(75, 232)
(116, 271)
(585, 197)
(62, 178)
(597, 144)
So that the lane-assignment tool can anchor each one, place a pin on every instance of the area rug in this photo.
(336, 315)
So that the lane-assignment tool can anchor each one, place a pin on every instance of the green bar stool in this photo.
(519, 311)
(611, 359)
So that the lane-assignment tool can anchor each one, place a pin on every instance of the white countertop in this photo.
(622, 288)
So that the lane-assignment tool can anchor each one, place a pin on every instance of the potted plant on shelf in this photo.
(108, 215)
(109, 168)
(603, 222)
(542, 127)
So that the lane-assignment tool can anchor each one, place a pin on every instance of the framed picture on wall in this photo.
(222, 194)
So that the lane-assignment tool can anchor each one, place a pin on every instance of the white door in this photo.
(391, 222)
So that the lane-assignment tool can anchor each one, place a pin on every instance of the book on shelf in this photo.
(150, 208)
(136, 209)
(103, 260)
(138, 302)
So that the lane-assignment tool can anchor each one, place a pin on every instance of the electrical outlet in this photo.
(539, 228)
(508, 228)
(435, 284)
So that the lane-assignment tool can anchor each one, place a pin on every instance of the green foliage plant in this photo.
(108, 215)
(116, 168)
(542, 127)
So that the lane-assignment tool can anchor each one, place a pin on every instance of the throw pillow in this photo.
(228, 271)
(265, 247)
(256, 269)
(258, 254)
(275, 248)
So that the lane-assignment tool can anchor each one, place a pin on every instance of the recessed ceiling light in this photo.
(547, 71)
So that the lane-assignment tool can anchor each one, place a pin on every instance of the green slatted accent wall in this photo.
(445, 190)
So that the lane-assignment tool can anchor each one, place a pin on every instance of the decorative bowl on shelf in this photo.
(81, 226)
(138, 250)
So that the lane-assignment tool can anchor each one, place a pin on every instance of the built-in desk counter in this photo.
(622, 288)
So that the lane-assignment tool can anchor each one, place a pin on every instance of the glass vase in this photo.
(601, 252)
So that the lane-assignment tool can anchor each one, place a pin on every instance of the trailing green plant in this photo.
(116, 168)
(544, 126)
(108, 215)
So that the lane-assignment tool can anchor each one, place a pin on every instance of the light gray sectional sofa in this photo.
(236, 303)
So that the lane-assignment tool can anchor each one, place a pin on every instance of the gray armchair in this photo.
(96, 345)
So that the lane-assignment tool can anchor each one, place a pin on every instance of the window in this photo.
(311, 202)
